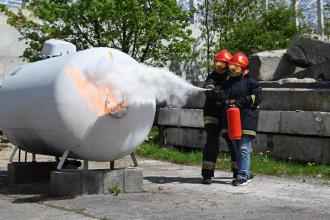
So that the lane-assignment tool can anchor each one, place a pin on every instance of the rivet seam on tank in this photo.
(100, 98)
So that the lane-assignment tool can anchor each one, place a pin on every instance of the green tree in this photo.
(240, 25)
(153, 32)
(269, 30)
(327, 20)
(217, 20)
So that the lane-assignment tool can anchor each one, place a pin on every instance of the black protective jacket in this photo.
(247, 89)
(213, 109)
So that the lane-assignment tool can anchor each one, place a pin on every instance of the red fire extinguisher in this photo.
(234, 123)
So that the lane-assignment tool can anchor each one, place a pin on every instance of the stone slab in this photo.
(305, 52)
(271, 65)
(286, 99)
(304, 148)
(284, 122)
(195, 101)
(168, 116)
(296, 83)
(29, 172)
(320, 71)
(80, 182)
(180, 117)
(292, 99)
(133, 180)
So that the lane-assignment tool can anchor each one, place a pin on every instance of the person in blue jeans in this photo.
(244, 92)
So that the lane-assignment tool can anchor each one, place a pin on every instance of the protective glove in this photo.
(222, 97)
(211, 92)
(209, 84)
(244, 101)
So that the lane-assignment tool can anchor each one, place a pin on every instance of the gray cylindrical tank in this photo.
(50, 106)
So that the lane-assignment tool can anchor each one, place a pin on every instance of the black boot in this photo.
(206, 181)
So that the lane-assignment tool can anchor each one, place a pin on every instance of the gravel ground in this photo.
(174, 191)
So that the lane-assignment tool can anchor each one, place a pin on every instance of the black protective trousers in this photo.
(211, 149)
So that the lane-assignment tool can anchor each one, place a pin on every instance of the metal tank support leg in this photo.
(13, 154)
(85, 165)
(19, 155)
(62, 160)
(135, 162)
(112, 165)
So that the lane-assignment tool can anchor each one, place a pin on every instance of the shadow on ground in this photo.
(191, 180)
(26, 193)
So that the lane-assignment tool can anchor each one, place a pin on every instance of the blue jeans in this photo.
(242, 150)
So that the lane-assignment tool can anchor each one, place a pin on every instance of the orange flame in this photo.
(100, 98)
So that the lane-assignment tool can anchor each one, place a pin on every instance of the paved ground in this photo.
(173, 192)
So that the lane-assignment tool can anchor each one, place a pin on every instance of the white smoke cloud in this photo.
(140, 83)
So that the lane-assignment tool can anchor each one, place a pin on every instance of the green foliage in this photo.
(270, 30)
(245, 25)
(327, 20)
(116, 190)
(152, 32)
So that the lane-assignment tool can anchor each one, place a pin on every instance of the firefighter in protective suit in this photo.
(242, 91)
(214, 108)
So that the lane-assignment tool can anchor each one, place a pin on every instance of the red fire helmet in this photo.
(223, 55)
(240, 59)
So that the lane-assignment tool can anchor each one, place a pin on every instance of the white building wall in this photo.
(10, 49)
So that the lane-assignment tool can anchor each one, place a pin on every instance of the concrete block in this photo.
(29, 172)
(186, 137)
(304, 148)
(191, 118)
(113, 178)
(66, 183)
(190, 137)
(181, 117)
(295, 122)
(301, 148)
(269, 121)
(305, 123)
(133, 180)
(195, 101)
(92, 182)
(284, 122)
(305, 52)
(79, 182)
(169, 116)
(271, 65)
(288, 99)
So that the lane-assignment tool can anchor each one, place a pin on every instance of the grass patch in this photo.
(261, 163)
(116, 190)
